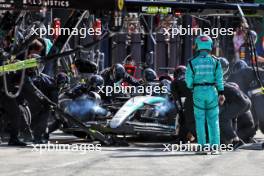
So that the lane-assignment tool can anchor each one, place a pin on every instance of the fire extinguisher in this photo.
(97, 26)
(56, 27)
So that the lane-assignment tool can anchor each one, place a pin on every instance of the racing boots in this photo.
(16, 142)
(237, 144)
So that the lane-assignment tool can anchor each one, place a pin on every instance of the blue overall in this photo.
(205, 77)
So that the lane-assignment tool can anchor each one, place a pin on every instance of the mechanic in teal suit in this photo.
(204, 77)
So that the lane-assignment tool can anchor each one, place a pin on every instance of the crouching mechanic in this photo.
(179, 91)
(114, 76)
(204, 76)
(236, 121)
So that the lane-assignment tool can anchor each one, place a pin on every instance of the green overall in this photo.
(205, 77)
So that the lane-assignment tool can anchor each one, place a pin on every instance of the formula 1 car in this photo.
(140, 115)
(146, 114)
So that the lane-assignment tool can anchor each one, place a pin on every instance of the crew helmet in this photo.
(225, 64)
(203, 42)
(118, 72)
(179, 72)
(239, 65)
(149, 75)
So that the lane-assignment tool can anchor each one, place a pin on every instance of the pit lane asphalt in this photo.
(138, 159)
